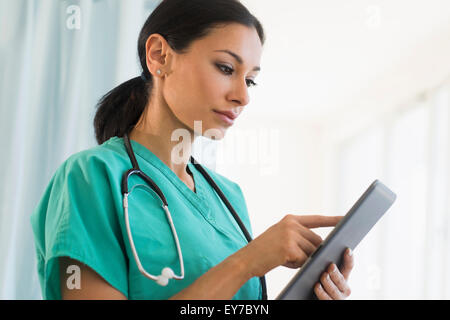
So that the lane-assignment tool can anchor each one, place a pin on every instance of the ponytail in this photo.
(121, 108)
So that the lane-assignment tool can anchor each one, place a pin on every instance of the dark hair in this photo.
(180, 22)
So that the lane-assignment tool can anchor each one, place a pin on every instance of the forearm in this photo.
(220, 282)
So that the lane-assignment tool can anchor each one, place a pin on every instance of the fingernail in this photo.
(333, 268)
(349, 252)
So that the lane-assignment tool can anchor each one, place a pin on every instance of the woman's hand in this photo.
(289, 243)
(333, 283)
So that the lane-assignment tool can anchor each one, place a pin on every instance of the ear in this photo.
(158, 54)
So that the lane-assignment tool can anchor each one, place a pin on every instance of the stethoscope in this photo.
(167, 273)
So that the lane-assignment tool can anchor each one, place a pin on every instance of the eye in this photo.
(251, 83)
(229, 71)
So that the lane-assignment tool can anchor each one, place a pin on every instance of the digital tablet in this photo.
(350, 230)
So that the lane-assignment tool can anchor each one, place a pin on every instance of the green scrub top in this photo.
(81, 216)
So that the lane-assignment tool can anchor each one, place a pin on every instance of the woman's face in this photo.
(207, 80)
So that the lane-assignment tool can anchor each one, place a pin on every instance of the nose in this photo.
(240, 93)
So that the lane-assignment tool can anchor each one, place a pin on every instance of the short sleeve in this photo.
(77, 217)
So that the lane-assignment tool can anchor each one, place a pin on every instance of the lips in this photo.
(229, 114)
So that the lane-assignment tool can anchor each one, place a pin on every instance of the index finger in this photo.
(317, 221)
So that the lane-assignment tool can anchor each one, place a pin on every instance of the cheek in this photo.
(181, 95)
(192, 96)
(212, 87)
(209, 87)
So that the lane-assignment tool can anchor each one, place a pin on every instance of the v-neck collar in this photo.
(197, 198)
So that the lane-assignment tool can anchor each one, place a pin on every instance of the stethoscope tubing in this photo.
(136, 170)
(133, 247)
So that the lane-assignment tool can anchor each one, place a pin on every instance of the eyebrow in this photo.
(237, 57)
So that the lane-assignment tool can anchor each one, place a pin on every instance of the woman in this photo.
(198, 58)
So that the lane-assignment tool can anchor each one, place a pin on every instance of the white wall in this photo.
(356, 91)
(286, 177)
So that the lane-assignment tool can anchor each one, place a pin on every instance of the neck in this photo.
(156, 130)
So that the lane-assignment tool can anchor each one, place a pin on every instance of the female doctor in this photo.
(199, 58)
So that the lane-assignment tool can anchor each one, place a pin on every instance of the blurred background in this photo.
(349, 91)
